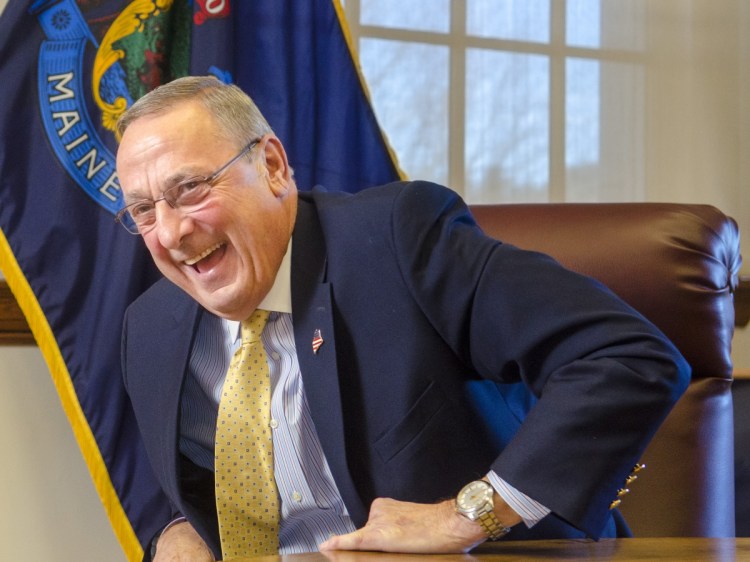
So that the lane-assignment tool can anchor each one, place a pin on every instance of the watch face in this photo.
(474, 496)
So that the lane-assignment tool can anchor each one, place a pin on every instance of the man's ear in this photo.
(277, 168)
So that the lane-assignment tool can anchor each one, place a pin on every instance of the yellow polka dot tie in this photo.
(247, 501)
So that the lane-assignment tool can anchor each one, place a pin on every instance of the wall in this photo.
(741, 349)
(49, 508)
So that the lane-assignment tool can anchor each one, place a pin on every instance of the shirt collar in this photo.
(279, 298)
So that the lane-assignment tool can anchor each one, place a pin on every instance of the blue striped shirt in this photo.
(311, 505)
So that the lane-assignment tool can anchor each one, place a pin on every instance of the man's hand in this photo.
(181, 543)
(395, 526)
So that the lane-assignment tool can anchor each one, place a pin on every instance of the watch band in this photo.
(492, 526)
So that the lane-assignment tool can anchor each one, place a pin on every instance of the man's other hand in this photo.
(181, 543)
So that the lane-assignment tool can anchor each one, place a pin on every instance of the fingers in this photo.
(350, 541)
(353, 556)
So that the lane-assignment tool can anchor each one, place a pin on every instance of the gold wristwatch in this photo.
(475, 502)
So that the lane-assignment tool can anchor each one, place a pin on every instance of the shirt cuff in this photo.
(531, 511)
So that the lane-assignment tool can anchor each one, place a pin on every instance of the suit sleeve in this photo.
(167, 513)
(605, 378)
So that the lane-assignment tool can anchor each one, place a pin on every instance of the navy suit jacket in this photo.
(446, 354)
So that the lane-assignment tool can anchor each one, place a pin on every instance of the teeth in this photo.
(202, 255)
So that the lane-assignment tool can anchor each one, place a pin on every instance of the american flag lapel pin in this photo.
(317, 341)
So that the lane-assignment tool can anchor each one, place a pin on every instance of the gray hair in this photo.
(236, 114)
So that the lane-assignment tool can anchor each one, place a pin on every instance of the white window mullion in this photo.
(557, 171)
(351, 10)
(457, 98)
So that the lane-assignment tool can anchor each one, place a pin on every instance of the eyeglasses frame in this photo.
(123, 215)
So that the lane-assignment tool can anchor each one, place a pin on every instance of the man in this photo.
(397, 341)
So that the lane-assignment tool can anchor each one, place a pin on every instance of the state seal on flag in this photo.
(120, 54)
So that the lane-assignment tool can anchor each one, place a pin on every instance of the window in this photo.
(510, 100)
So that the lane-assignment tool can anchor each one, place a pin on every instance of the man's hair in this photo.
(236, 114)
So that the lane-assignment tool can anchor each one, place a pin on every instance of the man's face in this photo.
(226, 252)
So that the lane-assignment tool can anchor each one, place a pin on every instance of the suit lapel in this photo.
(312, 311)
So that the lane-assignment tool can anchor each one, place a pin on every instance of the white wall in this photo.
(49, 509)
(741, 343)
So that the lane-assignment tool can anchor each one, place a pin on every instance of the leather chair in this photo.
(678, 265)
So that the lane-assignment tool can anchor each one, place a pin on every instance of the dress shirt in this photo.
(311, 506)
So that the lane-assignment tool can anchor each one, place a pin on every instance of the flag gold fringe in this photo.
(45, 339)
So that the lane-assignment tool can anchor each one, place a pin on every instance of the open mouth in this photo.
(195, 260)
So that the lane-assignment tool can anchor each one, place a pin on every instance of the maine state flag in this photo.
(68, 70)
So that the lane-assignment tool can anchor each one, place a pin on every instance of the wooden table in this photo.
(673, 549)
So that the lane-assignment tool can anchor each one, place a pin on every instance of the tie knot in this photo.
(251, 328)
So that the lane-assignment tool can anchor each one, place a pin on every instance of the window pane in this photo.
(582, 23)
(604, 142)
(408, 85)
(433, 15)
(507, 127)
(581, 113)
(521, 20)
(606, 25)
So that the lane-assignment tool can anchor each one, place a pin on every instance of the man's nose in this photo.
(171, 224)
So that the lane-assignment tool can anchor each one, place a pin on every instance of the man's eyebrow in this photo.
(179, 177)
(170, 182)
(129, 199)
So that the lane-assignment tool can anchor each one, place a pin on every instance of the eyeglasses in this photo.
(140, 217)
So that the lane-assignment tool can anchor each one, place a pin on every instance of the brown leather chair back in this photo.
(678, 265)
